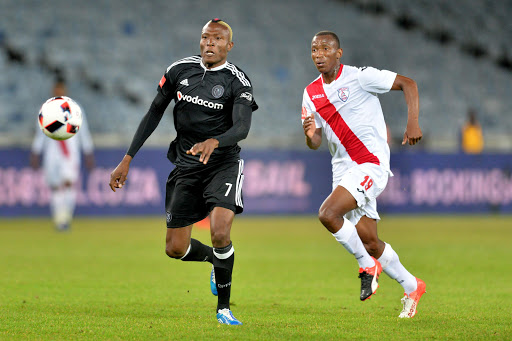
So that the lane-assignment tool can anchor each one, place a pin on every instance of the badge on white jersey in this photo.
(343, 94)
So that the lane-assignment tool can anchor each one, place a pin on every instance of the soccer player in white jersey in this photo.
(342, 102)
(61, 165)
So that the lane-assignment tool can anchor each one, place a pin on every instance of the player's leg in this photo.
(367, 231)
(414, 287)
(332, 215)
(224, 194)
(69, 194)
(68, 173)
(58, 208)
(180, 245)
(223, 259)
(184, 206)
(52, 168)
(62, 203)
(178, 242)
(391, 265)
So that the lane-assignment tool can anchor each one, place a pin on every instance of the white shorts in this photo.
(59, 170)
(365, 182)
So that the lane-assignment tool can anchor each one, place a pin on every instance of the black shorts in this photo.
(191, 195)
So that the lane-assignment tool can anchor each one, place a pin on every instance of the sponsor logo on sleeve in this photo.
(317, 96)
(247, 96)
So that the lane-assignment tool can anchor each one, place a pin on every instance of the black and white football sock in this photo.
(198, 252)
(223, 260)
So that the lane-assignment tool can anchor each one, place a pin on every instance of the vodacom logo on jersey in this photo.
(199, 101)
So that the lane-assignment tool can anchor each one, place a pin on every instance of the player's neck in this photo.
(330, 76)
(213, 66)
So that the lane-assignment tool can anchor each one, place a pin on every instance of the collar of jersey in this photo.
(215, 68)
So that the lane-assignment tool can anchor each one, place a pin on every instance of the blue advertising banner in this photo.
(449, 183)
(276, 182)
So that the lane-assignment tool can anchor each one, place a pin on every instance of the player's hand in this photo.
(90, 162)
(120, 174)
(412, 133)
(309, 126)
(205, 149)
(35, 160)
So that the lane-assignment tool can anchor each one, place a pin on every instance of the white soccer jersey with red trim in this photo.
(349, 112)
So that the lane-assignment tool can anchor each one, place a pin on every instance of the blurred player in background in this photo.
(212, 113)
(61, 165)
(472, 138)
(343, 103)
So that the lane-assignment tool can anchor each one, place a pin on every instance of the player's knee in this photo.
(220, 238)
(174, 252)
(329, 218)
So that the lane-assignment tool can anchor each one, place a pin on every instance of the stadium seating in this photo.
(114, 52)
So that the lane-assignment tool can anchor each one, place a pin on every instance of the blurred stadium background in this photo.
(87, 284)
(114, 52)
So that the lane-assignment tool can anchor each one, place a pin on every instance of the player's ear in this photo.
(230, 45)
(339, 53)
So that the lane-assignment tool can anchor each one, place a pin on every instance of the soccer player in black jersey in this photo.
(212, 113)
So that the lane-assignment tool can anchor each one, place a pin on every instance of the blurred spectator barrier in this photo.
(276, 182)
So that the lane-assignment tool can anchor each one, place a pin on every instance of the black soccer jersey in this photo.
(204, 100)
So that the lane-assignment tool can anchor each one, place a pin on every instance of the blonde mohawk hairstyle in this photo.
(223, 23)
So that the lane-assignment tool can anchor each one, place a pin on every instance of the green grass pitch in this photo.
(109, 279)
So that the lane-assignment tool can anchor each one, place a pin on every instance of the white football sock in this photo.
(348, 237)
(393, 268)
(58, 206)
(62, 205)
(70, 197)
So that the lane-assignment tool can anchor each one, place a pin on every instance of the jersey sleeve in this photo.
(375, 80)
(84, 135)
(167, 84)
(243, 92)
(308, 108)
(38, 142)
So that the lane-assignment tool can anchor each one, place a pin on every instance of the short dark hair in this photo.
(332, 34)
(60, 79)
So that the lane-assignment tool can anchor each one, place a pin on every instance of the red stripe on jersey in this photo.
(339, 71)
(353, 145)
(64, 148)
(162, 81)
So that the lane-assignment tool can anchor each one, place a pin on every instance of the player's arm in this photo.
(313, 134)
(37, 149)
(146, 127)
(242, 115)
(413, 132)
(86, 143)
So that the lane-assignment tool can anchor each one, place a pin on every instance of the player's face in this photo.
(59, 90)
(215, 44)
(325, 53)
